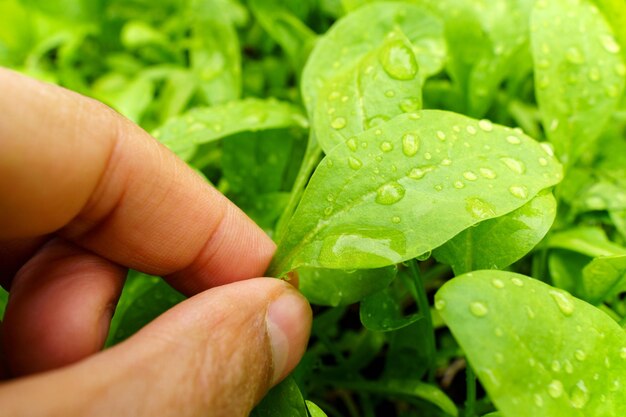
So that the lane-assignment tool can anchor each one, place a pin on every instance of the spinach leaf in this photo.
(379, 198)
(314, 410)
(579, 73)
(497, 243)
(202, 125)
(604, 277)
(537, 350)
(284, 399)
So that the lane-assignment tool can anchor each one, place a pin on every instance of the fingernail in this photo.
(288, 324)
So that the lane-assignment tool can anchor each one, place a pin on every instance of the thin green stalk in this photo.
(470, 402)
(424, 308)
(309, 162)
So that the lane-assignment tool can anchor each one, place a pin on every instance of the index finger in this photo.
(72, 166)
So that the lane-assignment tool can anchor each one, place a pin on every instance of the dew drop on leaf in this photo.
(579, 395)
(354, 163)
(440, 305)
(518, 191)
(446, 162)
(338, 123)
(471, 130)
(487, 173)
(555, 388)
(409, 104)
(485, 125)
(386, 146)
(459, 184)
(479, 209)
(518, 282)
(514, 165)
(478, 309)
(609, 44)
(470, 176)
(513, 140)
(399, 61)
(574, 55)
(390, 193)
(580, 355)
(498, 283)
(441, 136)
(563, 302)
(410, 144)
(352, 145)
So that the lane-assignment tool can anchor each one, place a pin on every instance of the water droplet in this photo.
(438, 187)
(354, 163)
(487, 173)
(328, 211)
(513, 140)
(543, 162)
(386, 146)
(456, 128)
(555, 388)
(574, 55)
(330, 198)
(529, 312)
(440, 305)
(555, 366)
(415, 116)
(580, 355)
(419, 173)
(609, 44)
(458, 184)
(338, 123)
(478, 208)
(396, 219)
(518, 191)
(538, 400)
(478, 309)
(441, 136)
(410, 144)
(446, 162)
(563, 301)
(517, 282)
(471, 130)
(569, 368)
(334, 95)
(498, 283)
(399, 61)
(594, 74)
(579, 395)
(547, 148)
(485, 125)
(390, 93)
(428, 156)
(409, 104)
(622, 353)
(352, 145)
(470, 176)
(390, 193)
(331, 110)
(376, 121)
(514, 165)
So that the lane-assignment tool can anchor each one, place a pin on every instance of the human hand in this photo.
(87, 194)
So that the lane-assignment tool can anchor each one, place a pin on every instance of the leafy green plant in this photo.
(447, 177)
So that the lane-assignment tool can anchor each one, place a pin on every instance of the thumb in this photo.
(215, 354)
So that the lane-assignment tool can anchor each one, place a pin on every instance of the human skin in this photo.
(85, 195)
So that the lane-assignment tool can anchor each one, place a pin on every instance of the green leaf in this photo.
(566, 270)
(383, 84)
(335, 287)
(380, 198)
(497, 243)
(579, 73)
(615, 13)
(143, 299)
(314, 410)
(590, 241)
(537, 350)
(347, 43)
(604, 277)
(203, 125)
(284, 400)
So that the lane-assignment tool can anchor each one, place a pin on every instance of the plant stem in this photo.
(470, 402)
(424, 308)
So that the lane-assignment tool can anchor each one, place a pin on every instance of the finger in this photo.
(111, 188)
(215, 354)
(60, 308)
(14, 253)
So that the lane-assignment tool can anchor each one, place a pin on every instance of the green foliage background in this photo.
(394, 150)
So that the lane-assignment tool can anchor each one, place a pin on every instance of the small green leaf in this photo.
(604, 277)
(347, 43)
(314, 410)
(497, 243)
(537, 350)
(566, 270)
(590, 241)
(335, 287)
(202, 125)
(579, 73)
(284, 400)
(382, 201)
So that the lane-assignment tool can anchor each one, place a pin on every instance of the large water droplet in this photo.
(386, 146)
(390, 193)
(470, 176)
(485, 125)
(487, 173)
(419, 172)
(399, 61)
(579, 395)
(352, 145)
(441, 136)
(478, 309)
(479, 209)
(517, 282)
(514, 165)
(338, 123)
(396, 219)
(563, 301)
(390, 93)
(518, 191)
(376, 121)
(609, 44)
(354, 163)
(513, 140)
(410, 144)
(409, 104)
(555, 388)
(498, 283)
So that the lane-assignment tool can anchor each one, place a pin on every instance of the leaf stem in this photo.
(424, 308)
(470, 401)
